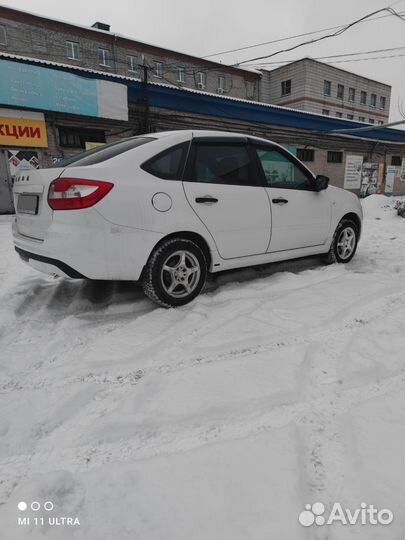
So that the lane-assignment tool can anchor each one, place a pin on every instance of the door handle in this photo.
(206, 199)
(280, 201)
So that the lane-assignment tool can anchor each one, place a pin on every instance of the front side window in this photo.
(327, 88)
(281, 172)
(72, 50)
(373, 100)
(133, 66)
(158, 69)
(352, 94)
(286, 87)
(104, 57)
(168, 164)
(340, 91)
(222, 163)
(3, 36)
(363, 97)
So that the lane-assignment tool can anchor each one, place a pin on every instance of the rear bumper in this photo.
(83, 245)
(47, 264)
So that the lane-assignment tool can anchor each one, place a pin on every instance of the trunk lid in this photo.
(30, 192)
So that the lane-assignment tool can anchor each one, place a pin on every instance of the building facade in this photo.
(33, 36)
(313, 86)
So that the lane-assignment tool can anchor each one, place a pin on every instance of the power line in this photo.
(294, 37)
(334, 34)
(351, 59)
(364, 59)
(331, 56)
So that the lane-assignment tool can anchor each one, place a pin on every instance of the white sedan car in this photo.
(167, 208)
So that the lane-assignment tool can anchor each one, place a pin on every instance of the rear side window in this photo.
(168, 164)
(226, 163)
(102, 153)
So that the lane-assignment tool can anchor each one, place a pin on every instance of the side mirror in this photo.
(321, 182)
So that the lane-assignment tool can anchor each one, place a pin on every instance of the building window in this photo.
(380, 122)
(133, 65)
(286, 87)
(371, 121)
(325, 112)
(339, 115)
(221, 84)
(363, 97)
(352, 94)
(396, 160)
(373, 100)
(362, 119)
(104, 57)
(340, 91)
(72, 50)
(327, 88)
(77, 138)
(201, 79)
(335, 157)
(382, 102)
(350, 116)
(181, 75)
(250, 89)
(305, 154)
(158, 69)
(3, 36)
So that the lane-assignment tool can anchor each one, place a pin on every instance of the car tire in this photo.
(344, 243)
(175, 272)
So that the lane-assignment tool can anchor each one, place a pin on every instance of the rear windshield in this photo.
(102, 153)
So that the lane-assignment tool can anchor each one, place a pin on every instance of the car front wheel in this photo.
(344, 243)
(175, 273)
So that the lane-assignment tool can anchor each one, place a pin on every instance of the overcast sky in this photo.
(210, 26)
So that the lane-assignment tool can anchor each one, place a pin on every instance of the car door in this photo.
(301, 217)
(224, 187)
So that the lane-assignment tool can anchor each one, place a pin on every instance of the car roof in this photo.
(192, 133)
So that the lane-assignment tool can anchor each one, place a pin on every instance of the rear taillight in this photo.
(74, 193)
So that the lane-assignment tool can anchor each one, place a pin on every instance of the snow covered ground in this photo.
(279, 386)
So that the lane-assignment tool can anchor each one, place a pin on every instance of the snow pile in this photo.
(219, 420)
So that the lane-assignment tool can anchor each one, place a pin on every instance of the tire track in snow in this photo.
(301, 412)
(170, 441)
(369, 310)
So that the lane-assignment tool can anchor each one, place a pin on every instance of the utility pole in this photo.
(145, 123)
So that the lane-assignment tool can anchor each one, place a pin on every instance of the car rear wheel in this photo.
(344, 243)
(175, 273)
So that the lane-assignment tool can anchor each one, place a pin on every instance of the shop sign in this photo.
(23, 132)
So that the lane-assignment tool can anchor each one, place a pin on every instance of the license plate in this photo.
(27, 204)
